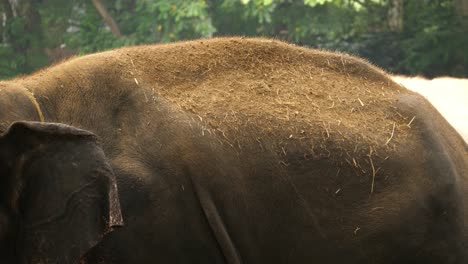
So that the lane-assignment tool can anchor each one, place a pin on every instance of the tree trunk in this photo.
(5, 15)
(395, 15)
(461, 7)
(108, 20)
(7, 8)
(34, 44)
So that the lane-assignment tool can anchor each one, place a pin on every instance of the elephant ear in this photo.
(62, 188)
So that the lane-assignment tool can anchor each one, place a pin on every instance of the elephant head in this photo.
(58, 194)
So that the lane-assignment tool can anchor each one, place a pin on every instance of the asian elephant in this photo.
(227, 150)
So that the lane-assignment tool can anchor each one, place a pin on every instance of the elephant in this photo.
(226, 150)
(45, 153)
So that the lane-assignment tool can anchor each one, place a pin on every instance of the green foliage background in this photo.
(433, 40)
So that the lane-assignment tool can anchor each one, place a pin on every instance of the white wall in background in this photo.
(448, 95)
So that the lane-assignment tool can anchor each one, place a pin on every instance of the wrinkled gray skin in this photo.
(35, 158)
(184, 198)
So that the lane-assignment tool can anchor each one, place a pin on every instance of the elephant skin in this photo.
(227, 150)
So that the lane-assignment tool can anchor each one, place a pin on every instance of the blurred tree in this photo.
(107, 18)
(434, 40)
(395, 15)
(461, 7)
(417, 36)
(22, 37)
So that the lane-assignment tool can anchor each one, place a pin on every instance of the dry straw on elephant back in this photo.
(302, 94)
(272, 92)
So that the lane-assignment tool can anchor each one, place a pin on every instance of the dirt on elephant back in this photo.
(271, 92)
(282, 90)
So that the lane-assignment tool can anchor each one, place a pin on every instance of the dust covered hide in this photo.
(260, 88)
(261, 93)
(239, 150)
